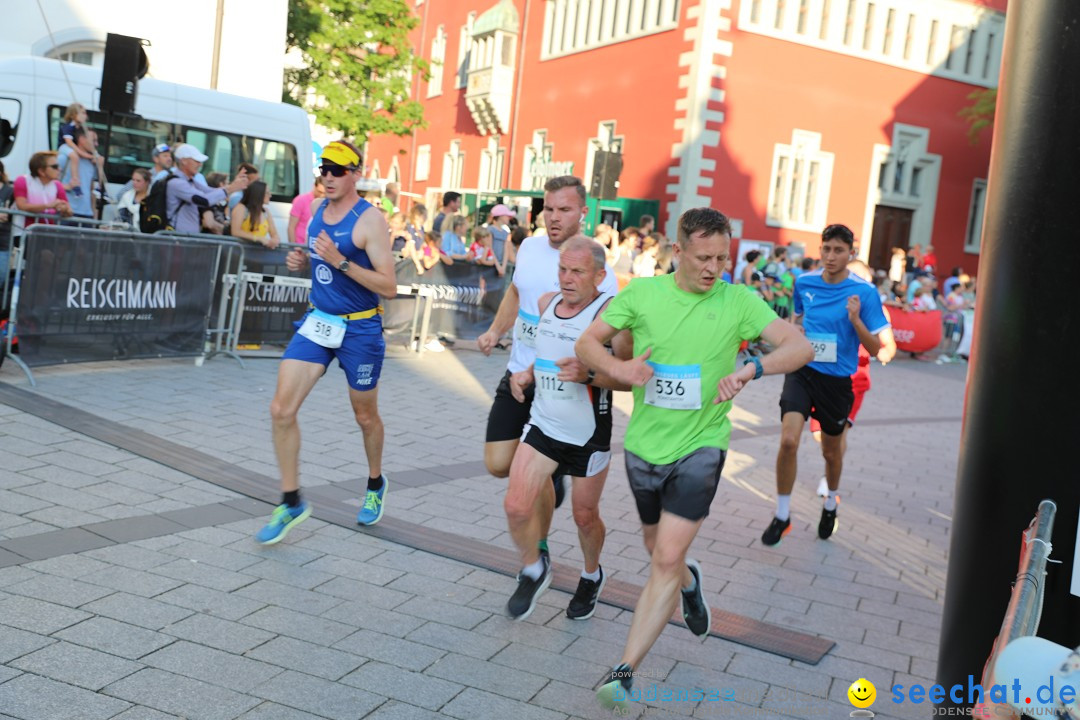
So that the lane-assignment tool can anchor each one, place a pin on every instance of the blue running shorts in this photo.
(360, 355)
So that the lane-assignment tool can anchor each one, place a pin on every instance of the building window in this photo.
(801, 178)
(973, 238)
(465, 51)
(453, 168)
(538, 155)
(423, 162)
(572, 26)
(948, 38)
(438, 62)
(492, 159)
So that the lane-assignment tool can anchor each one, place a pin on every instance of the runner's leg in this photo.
(585, 498)
(530, 500)
(667, 576)
(295, 380)
(365, 406)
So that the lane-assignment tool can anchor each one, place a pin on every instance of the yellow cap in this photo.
(341, 154)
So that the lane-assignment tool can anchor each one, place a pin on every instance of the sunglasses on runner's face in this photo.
(54, 167)
(335, 170)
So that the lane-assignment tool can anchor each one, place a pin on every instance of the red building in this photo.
(786, 115)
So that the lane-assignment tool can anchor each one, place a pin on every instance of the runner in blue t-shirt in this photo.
(838, 311)
(352, 267)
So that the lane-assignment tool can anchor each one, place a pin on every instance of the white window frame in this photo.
(492, 161)
(976, 217)
(804, 149)
(538, 150)
(438, 62)
(465, 43)
(423, 162)
(573, 26)
(948, 38)
(453, 166)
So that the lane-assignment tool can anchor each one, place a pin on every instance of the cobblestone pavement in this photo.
(131, 590)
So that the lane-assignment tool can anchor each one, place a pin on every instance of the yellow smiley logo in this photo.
(862, 693)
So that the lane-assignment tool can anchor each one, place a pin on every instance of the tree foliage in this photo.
(980, 113)
(356, 65)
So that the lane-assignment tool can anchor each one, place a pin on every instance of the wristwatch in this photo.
(589, 377)
(343, 266)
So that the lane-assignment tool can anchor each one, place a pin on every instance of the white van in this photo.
(230, 129)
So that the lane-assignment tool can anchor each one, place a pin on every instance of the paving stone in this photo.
(273, 711)
(62, 591)
(217, 633)
(303, 577)
(204, 600)
(76, 665)
(319, 697)
(307, 657)
(16, 643)
(182, 696)
(21, 503)
(545, 638)
(203, 574)
(456, 640)
(33, 697)
(551, 665)
(394, 710)
(428, 692)
(366, 594)
(145, 713)
(403, 653)
(272, 593)
(434, 588)
(213, 666)
(388, 622)
(132, 581)
(499, 679)
(206, 554)
(447, 613)
(473, 704)
(117, 638)
(302, 626)
(355, 569)
(130, 556)
(38, 616)
(69, 566)
(136, 610)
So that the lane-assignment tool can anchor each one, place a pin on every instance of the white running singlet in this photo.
(537, 272)
(571, 412)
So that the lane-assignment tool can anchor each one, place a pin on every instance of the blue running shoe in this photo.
(281, 521)
(372, 511)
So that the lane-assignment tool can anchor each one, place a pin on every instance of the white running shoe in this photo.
(434, 345)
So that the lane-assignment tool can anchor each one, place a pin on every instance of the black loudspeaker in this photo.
(125, 63)
(607, 167)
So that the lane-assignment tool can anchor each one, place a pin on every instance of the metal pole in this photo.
(1019, 427)
(219, 19)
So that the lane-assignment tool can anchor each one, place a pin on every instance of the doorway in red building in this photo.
(892, 228)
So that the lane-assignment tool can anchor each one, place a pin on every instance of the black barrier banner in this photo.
(466, 298)
(90, 296)
(270, 306)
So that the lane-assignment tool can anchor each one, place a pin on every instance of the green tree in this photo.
(980, 113)
(356, 65)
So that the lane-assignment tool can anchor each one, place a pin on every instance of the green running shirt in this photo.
(694, 339)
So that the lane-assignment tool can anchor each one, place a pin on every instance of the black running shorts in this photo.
(828, 398)
(685, 487)
(508, 417)
(574, 460)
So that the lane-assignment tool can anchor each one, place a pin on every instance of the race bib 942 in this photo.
(525, 328)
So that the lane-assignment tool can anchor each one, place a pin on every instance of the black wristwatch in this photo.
(343, 266)
(589, 377)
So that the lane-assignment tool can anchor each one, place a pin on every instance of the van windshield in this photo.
(132, 141)
(10, 110)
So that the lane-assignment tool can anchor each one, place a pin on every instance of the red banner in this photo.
(916, 332)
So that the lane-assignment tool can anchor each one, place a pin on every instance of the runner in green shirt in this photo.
(687, 329)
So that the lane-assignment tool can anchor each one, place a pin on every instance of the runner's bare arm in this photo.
(791, 351)
(519, 381)
(543, 303)
(369, 234)
(572, 369)
(868, 339)
(590, 347)
(504, 320)
(888, 346)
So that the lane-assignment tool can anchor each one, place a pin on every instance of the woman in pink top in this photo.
(41, 191)
(300, 215)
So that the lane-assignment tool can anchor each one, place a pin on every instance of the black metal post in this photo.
(1022, 424)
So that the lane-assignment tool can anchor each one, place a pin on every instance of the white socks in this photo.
(830, 500)
(535, 570)
(783, 507)
(594, 576)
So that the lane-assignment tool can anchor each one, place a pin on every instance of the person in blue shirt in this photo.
(452, 244)
(838, 311)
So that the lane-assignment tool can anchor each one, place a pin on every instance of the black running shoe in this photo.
(695, 610)
(583, 604)
(523, 601)
(559, 481)
(776, 531)
(614, 689)
(828, 523)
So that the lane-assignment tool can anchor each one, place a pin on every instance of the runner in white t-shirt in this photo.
(536, 273)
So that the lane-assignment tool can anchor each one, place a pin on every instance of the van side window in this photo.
(131, 140)
(10, 112)
(277, 162)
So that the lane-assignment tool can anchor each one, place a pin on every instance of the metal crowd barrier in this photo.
(1024, 611)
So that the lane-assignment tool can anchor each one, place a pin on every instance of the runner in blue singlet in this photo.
(351, 267)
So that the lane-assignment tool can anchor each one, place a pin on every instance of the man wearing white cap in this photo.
(186, 195)
(500, 231)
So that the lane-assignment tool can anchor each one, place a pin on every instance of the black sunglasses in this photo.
(335, 170)
(54, 167)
